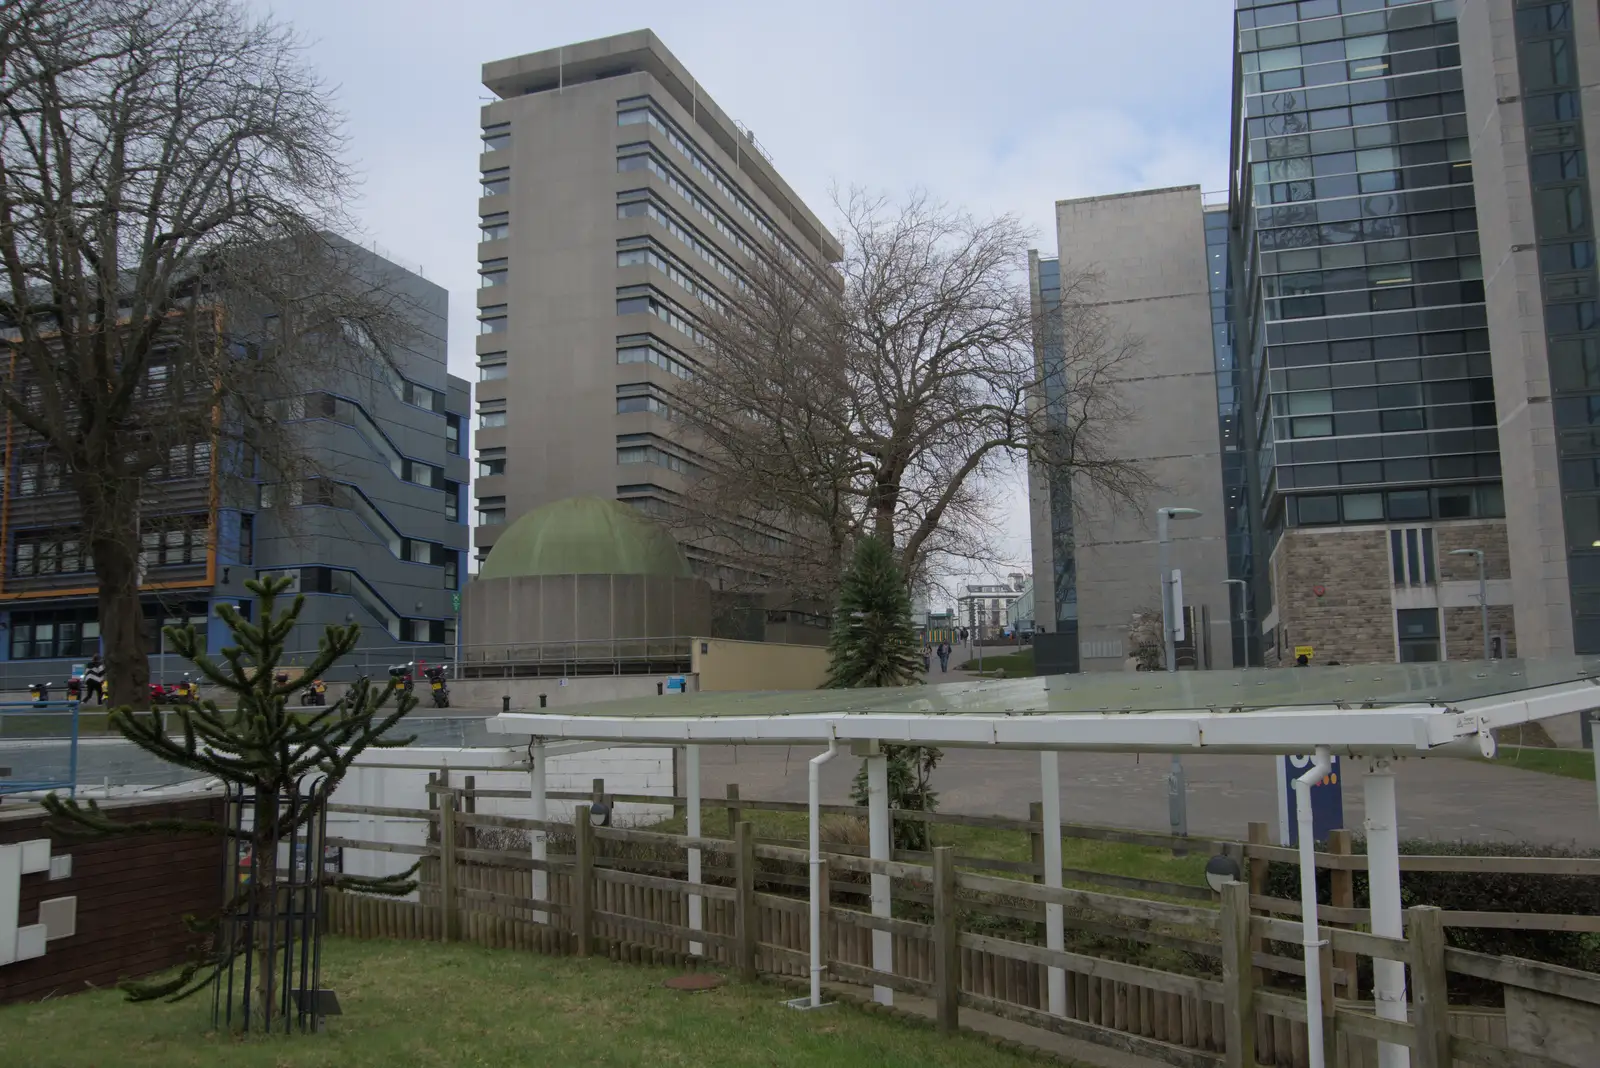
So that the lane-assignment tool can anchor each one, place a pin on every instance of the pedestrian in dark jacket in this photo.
(94, 681)
(944, 656)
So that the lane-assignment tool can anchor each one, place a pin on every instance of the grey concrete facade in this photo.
(1149, 251)
(1549, 563)
(376, 536)
(617, 197)
(387, 513)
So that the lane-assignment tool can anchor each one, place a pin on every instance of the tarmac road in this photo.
(1442, 798)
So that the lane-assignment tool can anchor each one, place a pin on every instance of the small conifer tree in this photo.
(874, 644)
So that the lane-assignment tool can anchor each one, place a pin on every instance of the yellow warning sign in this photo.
(1303, 650)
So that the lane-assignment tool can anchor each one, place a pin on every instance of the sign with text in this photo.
(1327, 800)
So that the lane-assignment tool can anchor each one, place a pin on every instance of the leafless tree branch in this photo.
(885, 399)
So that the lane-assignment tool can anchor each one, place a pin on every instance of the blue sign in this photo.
(1327, 800)
(675, 684)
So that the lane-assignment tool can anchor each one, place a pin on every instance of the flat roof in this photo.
(641, 50)
(1380, 706)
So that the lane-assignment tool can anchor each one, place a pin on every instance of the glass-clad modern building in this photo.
(1362, 328)
(1058, 614)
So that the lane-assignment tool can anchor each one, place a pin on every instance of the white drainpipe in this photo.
(1308, 903)
(814, 784)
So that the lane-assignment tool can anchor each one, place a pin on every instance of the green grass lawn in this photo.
(1571, 763)
(422, 1004)
(1016, 665)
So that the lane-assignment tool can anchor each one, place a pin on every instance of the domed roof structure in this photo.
(584, 536)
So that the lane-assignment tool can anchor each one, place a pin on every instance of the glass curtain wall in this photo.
(1361, 323)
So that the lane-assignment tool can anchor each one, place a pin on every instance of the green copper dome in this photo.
(584, 536)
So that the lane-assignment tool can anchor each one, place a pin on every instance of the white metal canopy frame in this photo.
(1374, 713)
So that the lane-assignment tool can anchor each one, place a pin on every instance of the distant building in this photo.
(982, 608)
(1021, 612)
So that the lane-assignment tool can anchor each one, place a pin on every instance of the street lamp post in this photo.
(1169, 611)
(1244, 612)
(1483, 594)
(1177, 787)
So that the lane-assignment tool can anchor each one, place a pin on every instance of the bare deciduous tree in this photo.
(170, 172)
(882, 401)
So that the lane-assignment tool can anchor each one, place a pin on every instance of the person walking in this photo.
(944, 656)
(94, 681)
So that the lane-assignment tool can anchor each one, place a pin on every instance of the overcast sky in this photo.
(996, 106)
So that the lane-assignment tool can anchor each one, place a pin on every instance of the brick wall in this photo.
(1463, 631)
(1490, 537)
(1352, 621)
(132, 892)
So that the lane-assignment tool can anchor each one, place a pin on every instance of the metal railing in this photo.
(494, 660)
(33, 735)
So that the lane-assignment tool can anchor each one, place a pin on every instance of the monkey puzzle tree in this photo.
(281, 765)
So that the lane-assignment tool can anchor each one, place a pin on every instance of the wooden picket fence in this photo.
(958, 939)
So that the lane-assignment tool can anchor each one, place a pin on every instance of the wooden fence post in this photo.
(1257, 868)
(583, 880)
(1238, 978)
(1428, 988)
(745, 880)
(1344, 897)
(733, 808)
(469, 835)
(1036, 838)
(447, 867)
(946, 951)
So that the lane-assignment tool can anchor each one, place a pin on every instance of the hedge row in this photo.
(1483, 892)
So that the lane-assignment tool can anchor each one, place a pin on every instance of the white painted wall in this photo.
(626, 770)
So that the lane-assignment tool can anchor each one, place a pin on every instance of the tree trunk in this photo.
(268, 904)
(113, 523)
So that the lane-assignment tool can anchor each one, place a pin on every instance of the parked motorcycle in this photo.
(315, 694)
(186, 692)
(436, 683)
(40, 691)
(401, 674)
(75, 688)
(162, 695)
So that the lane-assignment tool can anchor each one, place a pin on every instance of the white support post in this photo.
(880, 848)
(1054, 924)
(1383, 874)
(536, 837)
(691, 792)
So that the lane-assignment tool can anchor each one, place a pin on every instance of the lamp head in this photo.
(1182, 513)
(1221, 869)
(1466, 552)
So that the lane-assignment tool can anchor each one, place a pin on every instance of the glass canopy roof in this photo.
(1353, 686)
